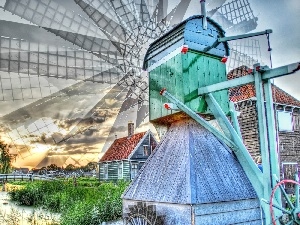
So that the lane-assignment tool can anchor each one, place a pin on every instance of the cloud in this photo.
(79, 150)
(118, 129)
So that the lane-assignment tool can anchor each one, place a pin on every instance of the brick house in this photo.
(287, 117)
(126, 156)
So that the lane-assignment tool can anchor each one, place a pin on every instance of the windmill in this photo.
(75, 71)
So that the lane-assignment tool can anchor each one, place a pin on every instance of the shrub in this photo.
(101, 204)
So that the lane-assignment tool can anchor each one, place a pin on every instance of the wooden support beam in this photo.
(266, 74)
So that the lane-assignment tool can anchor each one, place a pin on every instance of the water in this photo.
(10, 211)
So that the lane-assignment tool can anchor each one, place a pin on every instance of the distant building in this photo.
(287, 117)
(126, 156)
(21, 170)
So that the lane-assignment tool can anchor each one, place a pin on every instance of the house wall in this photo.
(139, 153)
(248, 122)
(289, 142)
(138, 157)
(243, 212)
(289, 148)
(126, 170)
(113, 170)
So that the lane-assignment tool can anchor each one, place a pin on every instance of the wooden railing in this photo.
(24, 177)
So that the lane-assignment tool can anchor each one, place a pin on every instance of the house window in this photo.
(105, 171)
(285, 121)
(146, 150)
(134, 170)
(289, 171)
(120, 171)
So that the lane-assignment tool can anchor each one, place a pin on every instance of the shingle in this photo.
(121, 148)
(248, 91)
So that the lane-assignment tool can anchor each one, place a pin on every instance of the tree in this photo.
(89, 167)
(53, 167)
(70, 167)
(5, 158)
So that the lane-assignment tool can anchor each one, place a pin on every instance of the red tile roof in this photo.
(248, 91)
(121, 148)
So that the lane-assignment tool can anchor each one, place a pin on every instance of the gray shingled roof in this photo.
(190, 166)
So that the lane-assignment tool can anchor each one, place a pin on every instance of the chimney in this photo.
(130, 128)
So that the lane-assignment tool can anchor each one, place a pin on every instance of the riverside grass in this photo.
(87, 203)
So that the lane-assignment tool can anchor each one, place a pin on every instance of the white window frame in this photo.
(134, 170)
(285, 121)
(120, 170)
(289, 163)
(105, 171)
(146, 149)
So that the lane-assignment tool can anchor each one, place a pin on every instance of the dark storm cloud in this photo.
(90, 132)
(66, 124)
(95, 118)
(44, 139)
(118, 129)
(87, 137)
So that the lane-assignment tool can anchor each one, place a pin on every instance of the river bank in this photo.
(11, 213)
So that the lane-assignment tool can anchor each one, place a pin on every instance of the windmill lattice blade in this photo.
(102, 20)
(49, 14)
(244, 52)
(236, 17)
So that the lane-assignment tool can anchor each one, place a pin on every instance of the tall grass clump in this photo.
(83, 204)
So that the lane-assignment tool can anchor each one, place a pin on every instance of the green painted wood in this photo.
(126, 170)
(101, 174)
(182, 75)
(112, 171)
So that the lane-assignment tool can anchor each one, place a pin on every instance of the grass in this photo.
(89, 202)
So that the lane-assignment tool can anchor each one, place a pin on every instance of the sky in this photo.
(67, 121)
(283, 17)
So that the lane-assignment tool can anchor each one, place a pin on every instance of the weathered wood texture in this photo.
(182, 75)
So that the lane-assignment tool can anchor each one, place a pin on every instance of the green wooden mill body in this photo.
(182, 72)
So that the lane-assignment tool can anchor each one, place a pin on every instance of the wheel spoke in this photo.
(291, 222)
(296, 191)
(282, 209)
(286, 197)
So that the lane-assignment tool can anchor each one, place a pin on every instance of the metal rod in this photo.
(252, 171)
(263, 143)
(235, 122)
(272, 142)
(242, 36)
(281, 71)
(286, 197)
(266, 74)
(296, 191)
(277, 207)
(199, 119)
(203, 13)
(226, 84)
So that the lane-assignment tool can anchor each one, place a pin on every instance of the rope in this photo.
(269, 50)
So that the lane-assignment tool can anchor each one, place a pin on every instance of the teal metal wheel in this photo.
(291, 214)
